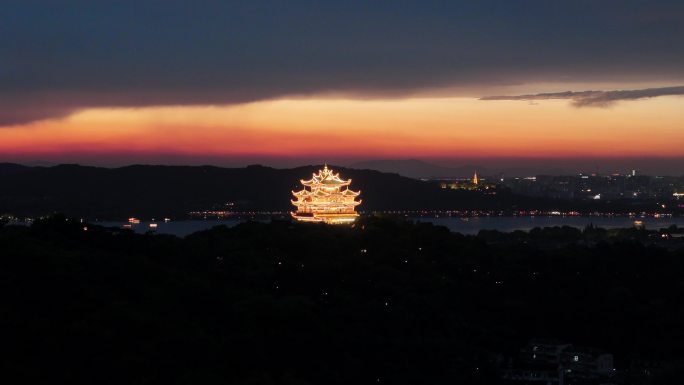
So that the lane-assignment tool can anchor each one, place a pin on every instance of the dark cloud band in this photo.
(596, 98)
(57, 57)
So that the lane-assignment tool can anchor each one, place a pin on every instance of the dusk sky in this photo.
(285, 83)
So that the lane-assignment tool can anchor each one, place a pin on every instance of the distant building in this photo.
(556, 362)
(474, 183)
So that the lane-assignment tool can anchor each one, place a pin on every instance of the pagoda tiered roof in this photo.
(351, 193)
(323, 193)
(326, 177)
(322, 205)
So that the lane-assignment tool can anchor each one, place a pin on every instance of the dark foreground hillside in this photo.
(382, 302)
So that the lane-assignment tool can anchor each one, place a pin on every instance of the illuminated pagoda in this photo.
(326, 198)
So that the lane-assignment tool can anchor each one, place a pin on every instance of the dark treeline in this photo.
(174, 191)
(385, 301)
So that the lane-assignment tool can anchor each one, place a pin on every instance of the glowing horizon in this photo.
(414, 127)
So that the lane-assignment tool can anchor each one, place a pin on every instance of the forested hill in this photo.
(175, 190)
(277, 303)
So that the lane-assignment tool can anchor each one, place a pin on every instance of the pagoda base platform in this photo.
(325, 218)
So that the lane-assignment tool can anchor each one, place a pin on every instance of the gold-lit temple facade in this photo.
(326, 198)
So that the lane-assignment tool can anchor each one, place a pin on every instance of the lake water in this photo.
(470, 225)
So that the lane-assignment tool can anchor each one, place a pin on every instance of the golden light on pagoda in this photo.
(326, 198)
